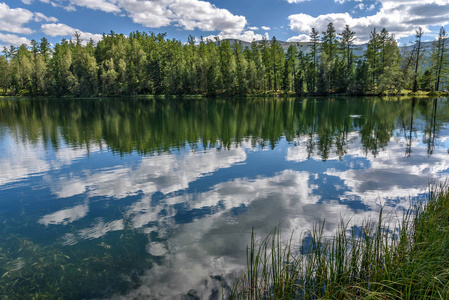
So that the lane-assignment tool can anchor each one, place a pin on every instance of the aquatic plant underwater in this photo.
(380, 259)
(31, 271)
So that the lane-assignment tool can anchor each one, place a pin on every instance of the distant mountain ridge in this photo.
(359, 50)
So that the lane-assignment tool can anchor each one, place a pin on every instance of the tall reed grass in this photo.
(384, 259)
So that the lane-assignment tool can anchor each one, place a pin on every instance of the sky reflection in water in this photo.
(193, 178)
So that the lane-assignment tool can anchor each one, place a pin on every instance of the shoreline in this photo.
(421, 94)
(407, 261)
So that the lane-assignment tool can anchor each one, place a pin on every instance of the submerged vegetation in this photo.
(30, 270)
(143, 63)
(395, 257)
(371, 260)
(387, 259)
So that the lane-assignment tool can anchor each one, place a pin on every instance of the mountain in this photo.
(359, 50)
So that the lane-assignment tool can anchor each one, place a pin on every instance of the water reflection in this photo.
(178, 185)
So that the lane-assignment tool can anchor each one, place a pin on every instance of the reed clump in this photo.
(404, 259)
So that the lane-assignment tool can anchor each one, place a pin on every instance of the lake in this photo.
(156, 198)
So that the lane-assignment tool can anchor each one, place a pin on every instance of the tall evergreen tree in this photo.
(418, 47)
(291, 61)
(440, 58)
(329, 47)
(346, 44)
(371, 54)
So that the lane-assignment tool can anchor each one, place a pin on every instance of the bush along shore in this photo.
(406, 260)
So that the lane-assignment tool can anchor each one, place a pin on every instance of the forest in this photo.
(150, 64)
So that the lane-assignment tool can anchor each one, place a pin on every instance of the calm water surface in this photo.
(126, 198)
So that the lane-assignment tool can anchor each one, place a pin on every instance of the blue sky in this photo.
(288, 20)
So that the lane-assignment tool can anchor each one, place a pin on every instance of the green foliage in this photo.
(440, 59)
(149, 63)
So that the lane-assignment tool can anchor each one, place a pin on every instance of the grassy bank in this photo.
(268, 93)
(407, 259)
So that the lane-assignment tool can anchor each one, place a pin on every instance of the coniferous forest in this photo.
(148, 63)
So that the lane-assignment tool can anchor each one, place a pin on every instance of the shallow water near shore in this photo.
(128, 198)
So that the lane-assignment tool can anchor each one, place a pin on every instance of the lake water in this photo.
(154, 198)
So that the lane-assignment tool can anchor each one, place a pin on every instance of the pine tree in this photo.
(291, 61)
(329, 56)
(418, 47)
(440, 58)
(371, 54)
(314, 53)
(5, 76)
(346, 44)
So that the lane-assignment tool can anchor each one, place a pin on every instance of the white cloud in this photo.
(253, 28)
(103, 5)
(265, 28)
(27, 160)
(20, 161)
(187, 14)
(371, 7)
(69, 5)
(12, 39)
(375, 179)
(65, 216)
(70, 8)
(299, 38)
(297, 1)
(400, 18)
(170, 175)
(13, 19)
(27, 2)
(247, 36)
(39, 17)
(59, 29)
(100, 229)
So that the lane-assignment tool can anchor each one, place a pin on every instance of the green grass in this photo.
(382, 259)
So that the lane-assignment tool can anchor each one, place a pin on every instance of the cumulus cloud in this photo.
(247, 35)
(14, 19)
(297, 1)
(59, 29)
(253, 28)
(401, 18)
(69, 5)
(70, 8)
(171, 175)
(103, 5)
(186, 14)
(372, 178)
(39, 17)
(65, 216)
(299, 38)
(12, 39)
(265, 28)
